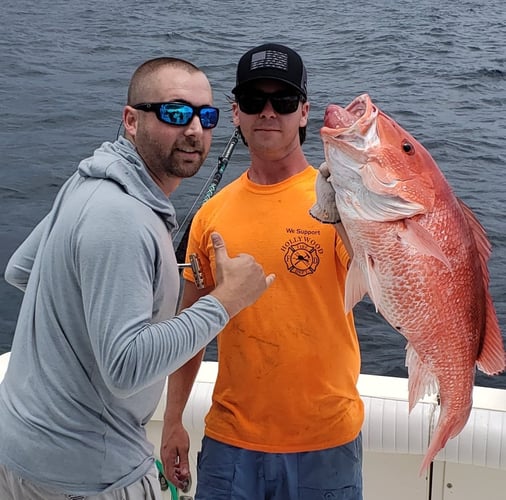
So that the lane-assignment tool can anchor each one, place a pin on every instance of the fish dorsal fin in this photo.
(491, 358)
(419, 238)
(421, 380)
(479, 234)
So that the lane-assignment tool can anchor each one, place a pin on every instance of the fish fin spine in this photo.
(421, 380)
(355, 287)
(421, 239)
(491, 357)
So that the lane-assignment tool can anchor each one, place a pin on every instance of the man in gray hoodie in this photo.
(96, 334)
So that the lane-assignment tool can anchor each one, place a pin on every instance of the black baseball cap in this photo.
(275, 62)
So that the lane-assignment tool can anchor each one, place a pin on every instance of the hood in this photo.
(119, 162)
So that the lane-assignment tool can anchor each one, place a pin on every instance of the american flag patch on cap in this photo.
(269, 59)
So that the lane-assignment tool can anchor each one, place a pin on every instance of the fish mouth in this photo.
(353, 126)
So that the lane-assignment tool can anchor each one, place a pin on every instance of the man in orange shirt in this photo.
(286, 414)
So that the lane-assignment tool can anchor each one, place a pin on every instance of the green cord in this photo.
(164, 483)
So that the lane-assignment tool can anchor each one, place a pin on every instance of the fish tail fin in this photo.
(448, 426)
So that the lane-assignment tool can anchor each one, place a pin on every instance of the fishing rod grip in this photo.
(222, 165)
(229, 148)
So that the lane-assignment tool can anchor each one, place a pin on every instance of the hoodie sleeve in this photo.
(20, 264)
(118, 259)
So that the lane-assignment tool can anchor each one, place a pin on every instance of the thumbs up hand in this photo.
(240, 280)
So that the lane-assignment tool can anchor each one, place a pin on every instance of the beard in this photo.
(183, 159)
(177, 166)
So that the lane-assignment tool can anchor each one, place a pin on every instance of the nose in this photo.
(268, 110)
(194, 127)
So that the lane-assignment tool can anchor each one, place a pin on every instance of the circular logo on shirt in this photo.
(301, 259)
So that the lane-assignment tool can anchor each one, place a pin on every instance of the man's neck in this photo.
(264, 170)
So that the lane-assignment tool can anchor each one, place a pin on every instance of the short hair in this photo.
(139, 80)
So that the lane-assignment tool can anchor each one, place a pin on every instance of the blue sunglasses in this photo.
(181, 113)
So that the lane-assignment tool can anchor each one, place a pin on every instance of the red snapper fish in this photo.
(418, 252)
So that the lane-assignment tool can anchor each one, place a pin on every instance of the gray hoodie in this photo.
(96, 334)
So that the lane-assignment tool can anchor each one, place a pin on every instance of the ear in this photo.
(235, 114)
(305, 114)
(130, 120)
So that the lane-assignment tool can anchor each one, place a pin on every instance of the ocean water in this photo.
(438, 68)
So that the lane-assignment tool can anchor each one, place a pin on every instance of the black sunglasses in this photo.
(181, 113)
(254, 102)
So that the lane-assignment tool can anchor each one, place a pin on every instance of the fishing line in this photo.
(119, 129)
(209, 187)
(217, 173)
(211, 190)
(194, 204)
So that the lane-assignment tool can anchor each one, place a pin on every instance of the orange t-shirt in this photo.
(288, 364)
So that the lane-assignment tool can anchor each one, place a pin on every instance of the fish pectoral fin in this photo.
(355, 287)
(421, 380)
(419, 238)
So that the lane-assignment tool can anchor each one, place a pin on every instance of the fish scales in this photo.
(418, 252)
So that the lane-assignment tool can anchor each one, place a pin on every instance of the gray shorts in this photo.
(13, 487)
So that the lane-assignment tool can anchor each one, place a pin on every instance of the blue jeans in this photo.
(225, 472)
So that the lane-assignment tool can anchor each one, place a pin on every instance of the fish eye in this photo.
(408, 148)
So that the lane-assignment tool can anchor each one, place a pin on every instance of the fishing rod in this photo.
(211, 190)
